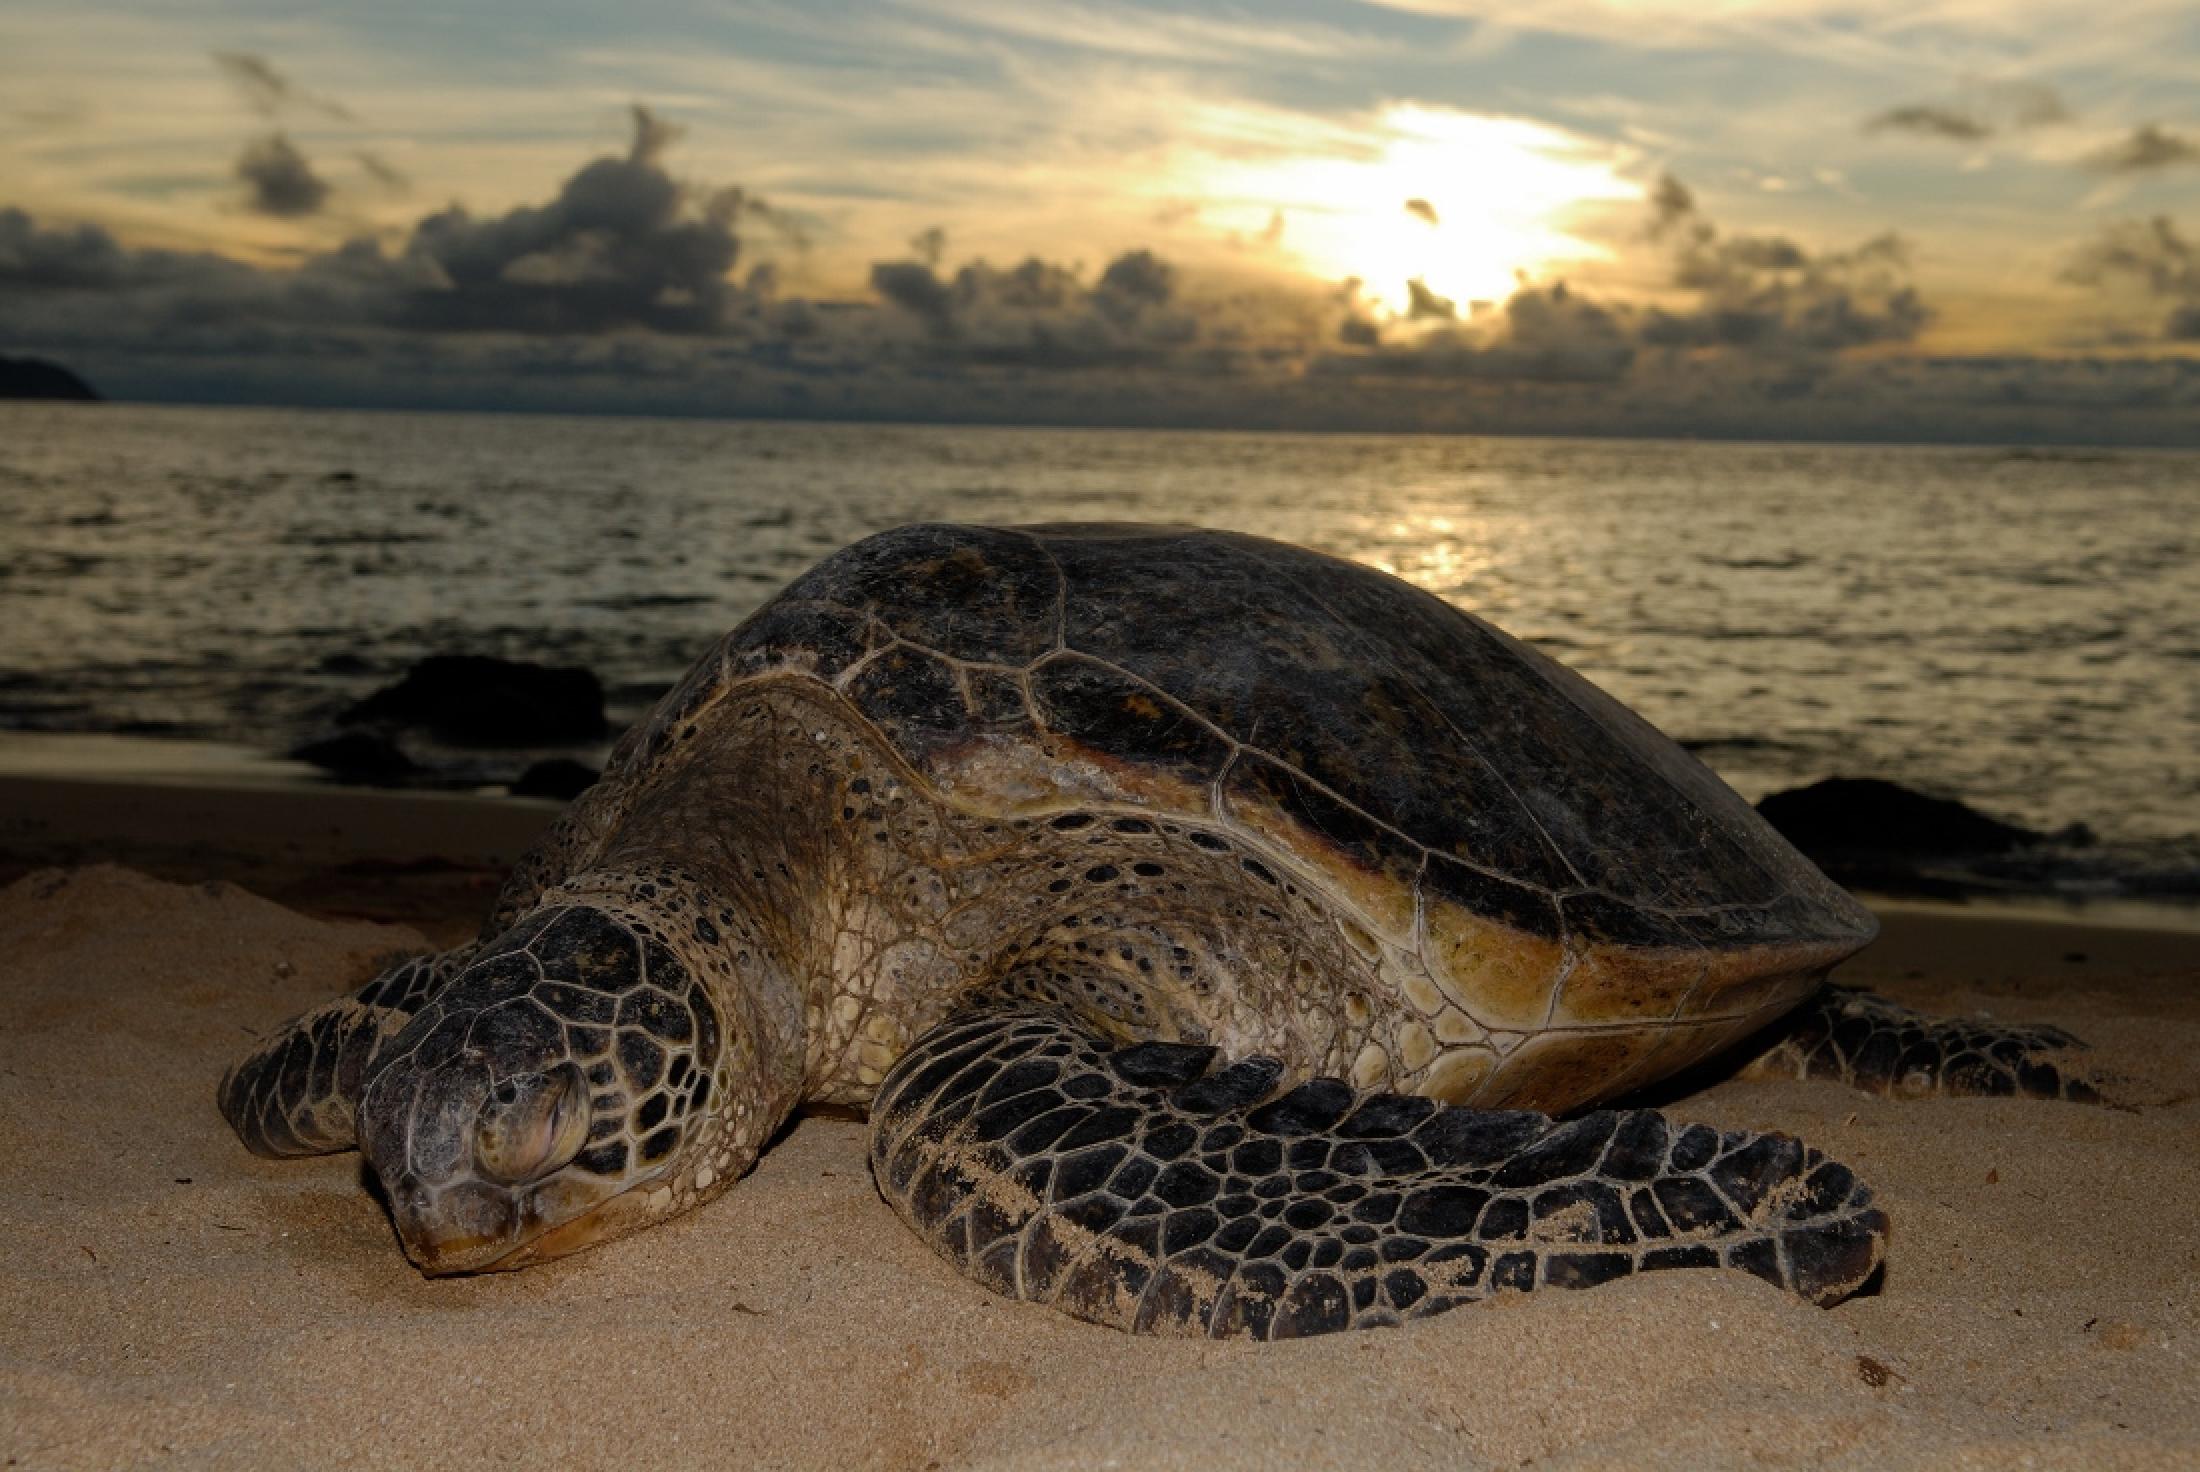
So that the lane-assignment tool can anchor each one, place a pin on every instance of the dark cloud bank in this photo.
(628, 291)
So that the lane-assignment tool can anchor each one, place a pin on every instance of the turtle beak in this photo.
(613, 1217)
(478, 1226)
(462, 1228)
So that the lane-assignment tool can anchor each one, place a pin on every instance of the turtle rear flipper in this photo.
(295, 1094)
(1883, 1047)
(1147, 1188)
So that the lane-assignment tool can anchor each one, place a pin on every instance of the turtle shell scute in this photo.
(1105, 710)
(971, 593)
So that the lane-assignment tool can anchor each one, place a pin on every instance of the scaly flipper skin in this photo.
(1147, 1189)
(1882, 1047)
(297, 1093)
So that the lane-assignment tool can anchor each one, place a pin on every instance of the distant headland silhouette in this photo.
(35, 378)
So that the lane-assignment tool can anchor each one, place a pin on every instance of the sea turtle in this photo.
(1225, 939)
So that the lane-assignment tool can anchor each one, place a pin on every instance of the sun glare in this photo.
(1458, 201)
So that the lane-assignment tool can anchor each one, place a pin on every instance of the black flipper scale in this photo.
(1883, 1047)
(1155, 1189)
(296, 1093)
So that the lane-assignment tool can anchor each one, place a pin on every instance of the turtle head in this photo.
(598, 1067)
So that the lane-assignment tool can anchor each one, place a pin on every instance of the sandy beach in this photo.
(170, 1300)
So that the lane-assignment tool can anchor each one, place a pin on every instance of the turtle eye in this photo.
(531, 1125)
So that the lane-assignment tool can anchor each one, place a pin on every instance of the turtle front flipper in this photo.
(1146, 1188)
(295, 1094)
(1882, 1047)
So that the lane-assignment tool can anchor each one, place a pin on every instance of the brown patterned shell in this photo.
(1478, 802)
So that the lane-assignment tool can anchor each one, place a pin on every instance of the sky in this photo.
(1882, 219)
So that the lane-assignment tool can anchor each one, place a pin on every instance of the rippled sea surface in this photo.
(2020, 629)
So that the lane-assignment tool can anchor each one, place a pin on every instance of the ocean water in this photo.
(2019, 629)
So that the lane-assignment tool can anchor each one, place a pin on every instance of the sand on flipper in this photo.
(169, 1298)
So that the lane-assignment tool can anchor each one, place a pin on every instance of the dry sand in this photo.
(168, 1299)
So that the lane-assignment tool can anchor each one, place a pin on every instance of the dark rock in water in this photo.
(358, 756)
(559, 777)
(1881, 836)
(477, 700)
(341, 663)
(1864, 815)
(35, 378)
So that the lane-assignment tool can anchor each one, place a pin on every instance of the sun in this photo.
(1462, 202)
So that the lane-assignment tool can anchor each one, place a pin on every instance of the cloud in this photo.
(1134, 281)
(742, 206)
(1929, 121)
(2151, 257)
(2146, 150)
(1359, 332)
(1766, 293)
(622, 245)
(1671, 206)
(188, 327)
(618, 290)
(1760, 299)
(64, 259)
(1421, 209)
(1266, 238)
(915, 287)
(1425, 305)
(1039, 314)
(1987, 108)
(1713, 264)
(2149, 253)
(2027, 104)
(268, 92)
(1554, 334)
(278, 179)
(384, 173)
(1545, 335)
(86, 259)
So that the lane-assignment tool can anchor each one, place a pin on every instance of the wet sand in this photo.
(169, 1299)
